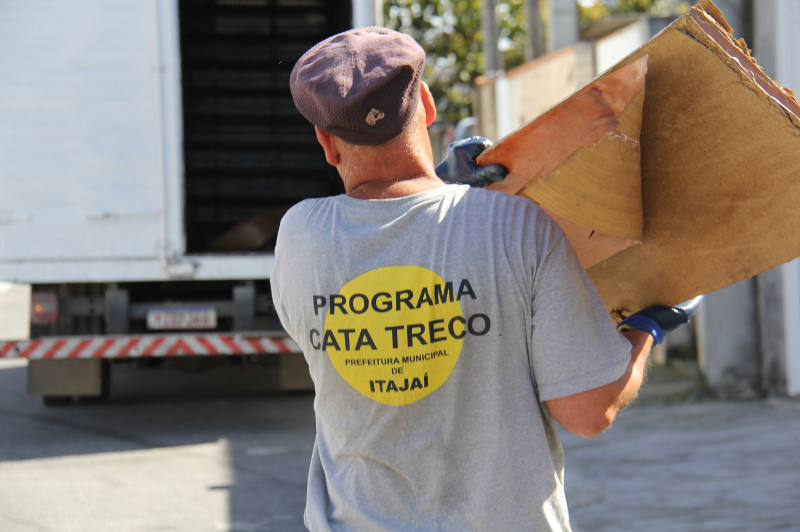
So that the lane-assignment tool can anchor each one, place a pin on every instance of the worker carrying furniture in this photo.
(445, 326)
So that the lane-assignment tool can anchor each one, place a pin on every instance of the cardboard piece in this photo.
(253, 234)
(720, 168)
(554, 161)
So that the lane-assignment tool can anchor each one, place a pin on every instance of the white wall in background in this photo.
(611, 49)
(777, 48)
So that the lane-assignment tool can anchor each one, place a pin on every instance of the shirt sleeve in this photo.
(278, 300)
(282, 278)
(575, 345)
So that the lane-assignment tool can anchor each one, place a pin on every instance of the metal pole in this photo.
(490, 32)
(562, 24)
(534, 39)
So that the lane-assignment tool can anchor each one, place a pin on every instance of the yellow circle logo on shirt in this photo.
(395, 334)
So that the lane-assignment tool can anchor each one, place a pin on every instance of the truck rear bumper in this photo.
(160, 345)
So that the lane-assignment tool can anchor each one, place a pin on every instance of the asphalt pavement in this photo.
(170, 451)
(195, 452)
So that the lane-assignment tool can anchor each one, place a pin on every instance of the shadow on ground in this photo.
(170, 450)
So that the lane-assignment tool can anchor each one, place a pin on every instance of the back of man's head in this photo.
(362, 86)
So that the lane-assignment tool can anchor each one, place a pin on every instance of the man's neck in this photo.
(400, 167)
(395, 188)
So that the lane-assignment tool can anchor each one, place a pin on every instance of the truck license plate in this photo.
(182, 318)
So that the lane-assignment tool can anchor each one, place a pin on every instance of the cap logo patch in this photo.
(374, 117)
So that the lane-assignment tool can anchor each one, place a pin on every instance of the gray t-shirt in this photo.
(423, 319)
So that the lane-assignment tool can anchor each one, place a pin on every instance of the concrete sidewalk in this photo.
(705, 466)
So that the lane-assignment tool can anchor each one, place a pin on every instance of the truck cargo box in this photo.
(135, 134)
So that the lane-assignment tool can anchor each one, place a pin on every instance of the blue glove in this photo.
(459, 165)
(659, 319)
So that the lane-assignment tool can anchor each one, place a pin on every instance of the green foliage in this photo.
(450, 33)
(652, 7)
(632, 6)
(595, 11)
(604, 8)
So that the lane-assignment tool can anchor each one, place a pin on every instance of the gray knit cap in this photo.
(361, 85)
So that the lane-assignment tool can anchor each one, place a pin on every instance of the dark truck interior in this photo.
(248, 153)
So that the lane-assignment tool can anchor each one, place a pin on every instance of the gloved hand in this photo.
(659, 319)
(459, 165)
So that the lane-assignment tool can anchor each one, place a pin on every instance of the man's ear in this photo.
(326, 141)
(428, 102)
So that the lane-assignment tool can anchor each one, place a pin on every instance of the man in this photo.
(444, 326)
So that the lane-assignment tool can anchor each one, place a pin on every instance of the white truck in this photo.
(147, 151)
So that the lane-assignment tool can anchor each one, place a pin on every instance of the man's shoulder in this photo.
(510, 205)
(300, 227)
(306, 205)
(516, 219)
(298, 216)
(496, 196)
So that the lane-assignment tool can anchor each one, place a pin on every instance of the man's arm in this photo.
(590, 413)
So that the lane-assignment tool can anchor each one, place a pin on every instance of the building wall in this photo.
(524, 93)
(508, 102)
(728, 341)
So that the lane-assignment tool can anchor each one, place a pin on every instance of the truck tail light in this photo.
(44, 308)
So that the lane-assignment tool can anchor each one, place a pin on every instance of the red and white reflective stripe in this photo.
(149, 346)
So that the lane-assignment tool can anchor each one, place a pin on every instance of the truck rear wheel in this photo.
(56, 400)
